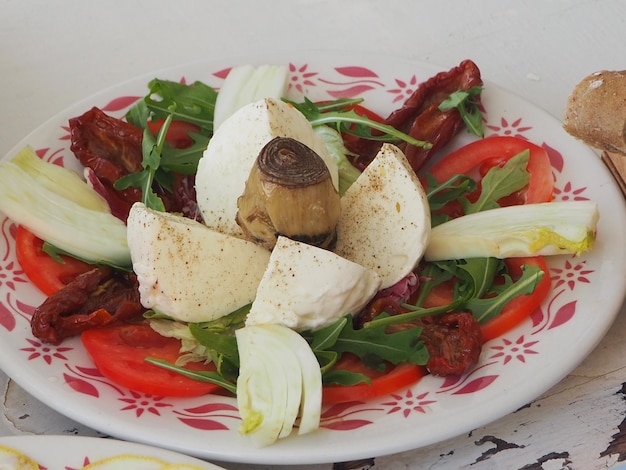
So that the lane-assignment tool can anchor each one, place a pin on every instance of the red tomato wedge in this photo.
(120, 351)
(518, 309)
(47, 274)
(382, 383)
(493, 150)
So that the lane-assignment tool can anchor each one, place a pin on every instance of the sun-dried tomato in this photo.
(454, 342)
(99, 297)
(110, 147)
(421, 118)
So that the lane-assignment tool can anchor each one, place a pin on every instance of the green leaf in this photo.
(223, 344)
(218, 336)
(326, 338)
(485, 309)
(185, 161)
(439, 195)
(348, 121)
(345, 377)
(326, 359)
(482, 272)
(169, 101)
(374, 345)
(432, 275)
(139, 114)
(500, 182)
(151, 151)
(55, 253)
(202, 376)
(466, 103)
(228, 323)
(192, 103)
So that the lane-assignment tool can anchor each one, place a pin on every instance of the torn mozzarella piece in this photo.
(308, 288)
(188, 271)
(385, 218)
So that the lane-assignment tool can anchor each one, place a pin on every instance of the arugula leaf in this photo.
(344, 377)
(484, 309)
(482, 272)
(202, 376)
(431, 275)
(55, 253)
(225, 345)
(228, 323)
(326, 337)
(500, 182)
(373, 345)
(192, 103)
(338, 114)
(169, 101)
(439, 195)
(218, 336)
(151, 150)
(185, 160)
(464, 101)
(474, 289)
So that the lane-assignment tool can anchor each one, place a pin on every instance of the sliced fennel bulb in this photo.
(59, 207)
(279, 380)
(248, 83)
(551, 228)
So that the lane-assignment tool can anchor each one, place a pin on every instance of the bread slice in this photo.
(596, 114)
(596, 111)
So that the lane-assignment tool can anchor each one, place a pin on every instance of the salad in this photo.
(395, 316)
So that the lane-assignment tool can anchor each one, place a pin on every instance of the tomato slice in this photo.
(177, 134)
(497, 149)
(518, 309)
(120, 351)
(382, 383)
(47, 274)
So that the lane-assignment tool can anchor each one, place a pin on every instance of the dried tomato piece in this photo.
(111, 148)
(421, 118)
(102, 296)
(454, 342)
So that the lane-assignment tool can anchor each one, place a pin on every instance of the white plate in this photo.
(513, 369)
(67, 452)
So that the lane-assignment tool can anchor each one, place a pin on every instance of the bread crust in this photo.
(596, 111)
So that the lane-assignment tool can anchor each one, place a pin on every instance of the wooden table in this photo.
(54, 53)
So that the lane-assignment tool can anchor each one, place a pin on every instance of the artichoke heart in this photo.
(289, 192)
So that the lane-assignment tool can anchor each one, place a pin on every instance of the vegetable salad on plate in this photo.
(293, 254)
